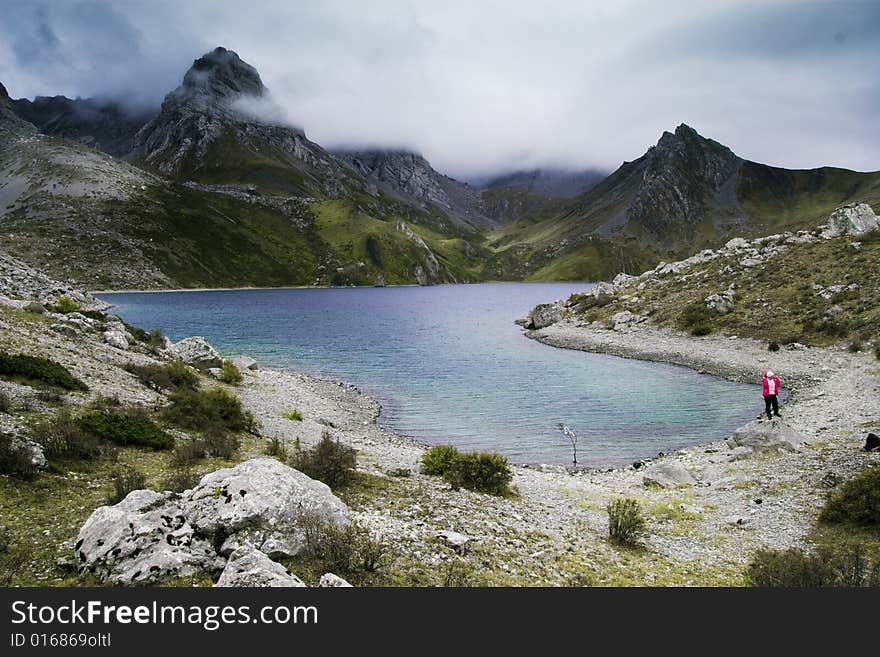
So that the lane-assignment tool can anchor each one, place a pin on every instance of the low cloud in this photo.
(492, 86)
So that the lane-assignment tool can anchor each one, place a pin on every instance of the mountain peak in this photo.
(220, 74)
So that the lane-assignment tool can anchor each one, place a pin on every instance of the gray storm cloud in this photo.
(483, 86)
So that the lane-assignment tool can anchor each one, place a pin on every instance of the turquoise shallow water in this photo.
(449, 365)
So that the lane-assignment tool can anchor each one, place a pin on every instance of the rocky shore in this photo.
(708, 507)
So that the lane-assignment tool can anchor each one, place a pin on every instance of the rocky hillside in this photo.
(184, 217)
(812, 287)
(104, 125)
(684, 194)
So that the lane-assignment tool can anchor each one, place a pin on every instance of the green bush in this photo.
(341, 548)
(62, 437)
(172, 376)
(126, 480)
(153, 339)
(220, 443)
(204, 409)
(439, 459)
(230, 374)
(293, 415)
(188, 452)
(126, 428)
(34, 369)
(15, 461)
(848, 566)
(857, 502)
(695, 318)
(180, 479)
(854, 347)
(275, 448)
(5, 402)
(329, 461)
(773, 346)
(65, 305)
(877, 352)
(484, 472)
(626, 523)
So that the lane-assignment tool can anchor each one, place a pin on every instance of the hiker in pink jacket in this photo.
(771, 390)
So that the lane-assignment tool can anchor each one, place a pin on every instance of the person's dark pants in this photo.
(771, 401)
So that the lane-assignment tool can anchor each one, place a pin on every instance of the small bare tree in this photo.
(573, 439)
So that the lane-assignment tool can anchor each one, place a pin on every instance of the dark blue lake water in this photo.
(449, 365)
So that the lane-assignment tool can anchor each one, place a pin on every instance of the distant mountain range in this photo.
(213, 189)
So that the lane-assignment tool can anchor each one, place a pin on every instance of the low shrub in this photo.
(203, 409)
(276, 448)
(695, 318)
(188, 452)
(877, 352)
(153, 339)
(293, 415)
(172, 376)
(126, 480)
(439, 459)
(773, 346)
(34, 369)
(219, 443)
(329, 461)
(857, 502)
(626, 522)
(854, 347)
(347, 549)
(484, 472)
(65, 305)
(14, 460)
(62, 437)
(849, 566)
(127, 428)
(13, 557)
(230, 374)
(5, 402)
(180, 479)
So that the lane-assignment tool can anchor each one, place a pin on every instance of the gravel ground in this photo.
(554, 531)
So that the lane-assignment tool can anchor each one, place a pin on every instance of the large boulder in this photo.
(116, 339)
(144, 539)
(149, 536)
(260, 502)
(196, 351)
(668, 474)
(545, 314)
(761, 436)
(331, 580)
(851, 219)
(247, 566)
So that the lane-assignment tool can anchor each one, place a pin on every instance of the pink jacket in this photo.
(771, 386)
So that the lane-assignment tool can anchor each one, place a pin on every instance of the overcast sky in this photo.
(481, 86)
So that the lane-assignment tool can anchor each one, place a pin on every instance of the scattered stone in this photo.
(244, 363)
(830, 479)
(668, 474)
(329, 580)
(247, 566)
(116, 339)
(457, 541)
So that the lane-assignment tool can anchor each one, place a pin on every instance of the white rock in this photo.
(116, 339)
(260, 501)
(196, 351)
(247, 566)
(667, 474)
(759, 436)
(143, 539)
(244, 363)
(329, 580)
(852, 219)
